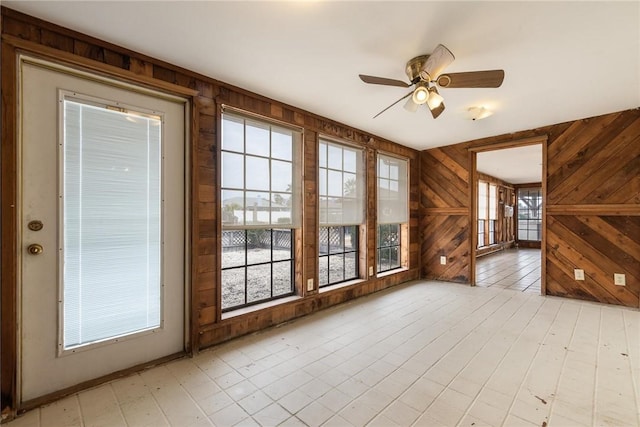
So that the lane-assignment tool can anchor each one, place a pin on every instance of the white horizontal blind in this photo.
(392, 190)
(111, 223)
(341, 182)
(260, 174)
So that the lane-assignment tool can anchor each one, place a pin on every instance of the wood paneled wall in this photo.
(445, 204)
(27, 34)
(593, 209)
(592, 203)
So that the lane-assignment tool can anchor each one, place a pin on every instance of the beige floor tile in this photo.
(422, 354)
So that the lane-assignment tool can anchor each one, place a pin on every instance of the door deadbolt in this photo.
(35, 249)
(35, 225)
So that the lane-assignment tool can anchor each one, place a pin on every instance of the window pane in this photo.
(281, 144)
(350, 160)
(282, 244)
(336, 243)
(351, 265)
(258, 246)
(232, 170)
(232, 207)
(233, 248)
(350, 238)
(233, 134)
(282, 175)
(258, 282)
(335, 157)
(257, 138)
(282, 284)
(257, 173)
(111, 223)
(258, 208)
(281, 213)
(349, 185)
(322, 155)
(335, 183)
(336, 268)
(323, 270)
(322, 182)
(233, 282)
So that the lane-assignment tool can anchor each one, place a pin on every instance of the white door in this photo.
(102, 227)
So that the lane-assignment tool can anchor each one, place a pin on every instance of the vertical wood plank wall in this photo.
(592, 207)
(207, 325)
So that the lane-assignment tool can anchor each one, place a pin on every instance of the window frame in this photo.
(535, 221)
(272, 225)
(246, 265)
(343, 253)
(360, 199)
(402, 227)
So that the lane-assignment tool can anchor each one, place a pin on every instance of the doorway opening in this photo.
(508, 216)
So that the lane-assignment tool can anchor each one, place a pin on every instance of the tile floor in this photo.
(421, 354)
(517, 269)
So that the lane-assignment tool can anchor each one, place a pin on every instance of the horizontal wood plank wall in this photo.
(445, 209)
(208, 326)
(592, 206)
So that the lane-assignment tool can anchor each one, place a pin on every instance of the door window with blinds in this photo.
(393, 211)
(260, 209)
(112, 213)
(341, 185)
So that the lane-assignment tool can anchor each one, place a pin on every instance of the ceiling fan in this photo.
(425, 72)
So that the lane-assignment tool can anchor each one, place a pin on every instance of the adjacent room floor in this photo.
(517, 269)
(423, 353)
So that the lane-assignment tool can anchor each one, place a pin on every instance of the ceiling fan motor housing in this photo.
(415, 67)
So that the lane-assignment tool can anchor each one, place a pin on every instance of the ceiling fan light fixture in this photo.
(434, 100)
(478, 113)
(420, 95)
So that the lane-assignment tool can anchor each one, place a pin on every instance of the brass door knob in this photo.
(35, 249)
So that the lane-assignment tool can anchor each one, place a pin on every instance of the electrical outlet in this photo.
(578, 274)
(370, 271)
(309, 284)
(443, 260)
(619, 279)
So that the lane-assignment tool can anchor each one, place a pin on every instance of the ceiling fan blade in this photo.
(437, 111)
(438, 61)
(407, 95)
(382, 81)
(489, 78)
(411, 106)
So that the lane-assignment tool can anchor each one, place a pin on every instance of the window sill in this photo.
(252, 309)
(391, 272)
(330, 288)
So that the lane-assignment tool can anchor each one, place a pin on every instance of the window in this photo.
(260, 210)
(530, 214)
(493, 212)
(483, 214)
(341, 187)
(392, 211)
(112, 214)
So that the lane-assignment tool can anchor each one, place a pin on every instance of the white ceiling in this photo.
(520, 165)
(563, 60)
